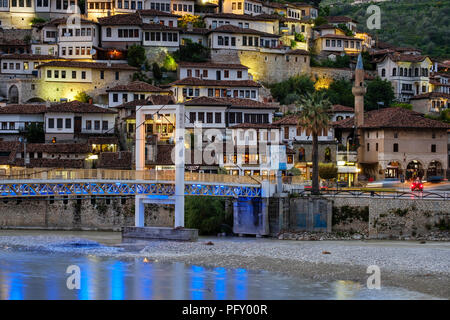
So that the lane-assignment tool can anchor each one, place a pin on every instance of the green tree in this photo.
(207, 214)
(136, 56)
(402, 105)
(34, 133)
(328, 171)
(320, 21)
(37, 20)
(299, 85)
(157, 73)
(378, 91)
(314, 116)
(340, 92)
(197, 21)
(192, 52)
(82, 97)
(346, 30)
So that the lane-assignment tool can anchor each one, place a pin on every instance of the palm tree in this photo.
(314, 117)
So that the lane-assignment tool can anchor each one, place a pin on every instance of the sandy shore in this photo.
(418, 267)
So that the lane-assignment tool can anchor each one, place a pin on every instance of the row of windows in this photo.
(347, 43)
(21, 3)
(395, 147)
(225, 41)
(231, 93)
(26, 65)
(161, 36)
(160, 6)
(253, 7)
(405, 72)
(68, 124)
(78, 51)
(56, 73)
(126, 4)
(127, 33)
(293, 14)
(204, 73)
(100, 5)
(4, 3)
(51, 50)
(80, 32)
(125, 97)
(183, 7)
(307, 132)
(236, 117)
(211, 117)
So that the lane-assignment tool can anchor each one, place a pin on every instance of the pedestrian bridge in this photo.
(99, 182)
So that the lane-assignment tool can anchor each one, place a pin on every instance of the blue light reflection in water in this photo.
(31, 275)
(86, 278)
(241, 276)
(197, 282)
(16, 286)
(117, 281)
(220, 280)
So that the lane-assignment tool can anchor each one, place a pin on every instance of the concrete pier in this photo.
(164, 233)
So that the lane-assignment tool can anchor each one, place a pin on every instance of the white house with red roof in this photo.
(136, 90)
(212, 71)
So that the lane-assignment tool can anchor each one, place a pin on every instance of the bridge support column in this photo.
(179, 167)
(139, 212)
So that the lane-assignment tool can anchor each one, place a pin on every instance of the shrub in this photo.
(207, 214)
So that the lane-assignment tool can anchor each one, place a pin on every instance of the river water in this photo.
(37, 274)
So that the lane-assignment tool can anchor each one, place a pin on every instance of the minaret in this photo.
(359, 91)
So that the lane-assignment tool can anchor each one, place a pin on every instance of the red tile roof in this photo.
(341, 108)
(339, 36)
(88, 65)
(152, 12)
(261, 17)
(290, 120)
(158, 26)
(231, 102)
(77, 107)
(393, 118)
(430, 95)
(115, 160)
(26, 56)
(137, 86)
(103, 140)
(298, 52)
(406, 57)
(229, 28)
(75, 148)
(227, 83)
(130, 19)
(339, 19)
(152, 100)
(211, 65)
(58, 21)
(254, 126)
(23, 109)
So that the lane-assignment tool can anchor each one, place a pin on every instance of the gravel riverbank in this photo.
(421, 267)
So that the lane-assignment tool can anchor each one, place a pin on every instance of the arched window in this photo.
(327, 154)
(301, 154)
(401, 72)
(394, 72)
(383, 72)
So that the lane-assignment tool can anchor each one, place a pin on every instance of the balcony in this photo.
(350, 156)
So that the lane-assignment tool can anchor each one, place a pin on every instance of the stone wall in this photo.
(396, 218)
(265, 66)
(81, 214)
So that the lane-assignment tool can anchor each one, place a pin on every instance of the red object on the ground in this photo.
(416, 186)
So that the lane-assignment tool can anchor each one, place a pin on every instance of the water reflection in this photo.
(32, 275)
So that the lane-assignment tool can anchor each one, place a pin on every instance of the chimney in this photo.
(90, 100)
(47, 104)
